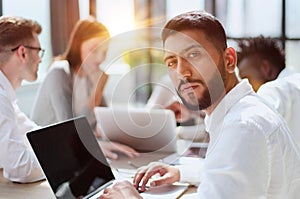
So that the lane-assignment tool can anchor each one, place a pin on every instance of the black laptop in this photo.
(74, 164)
(71, 159)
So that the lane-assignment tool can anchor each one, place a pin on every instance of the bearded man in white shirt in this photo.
(262, 61)
(251, 153)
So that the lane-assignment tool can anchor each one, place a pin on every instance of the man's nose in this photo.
(184, 67)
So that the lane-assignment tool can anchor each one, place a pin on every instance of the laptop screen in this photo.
(146, 130)
(70, 157)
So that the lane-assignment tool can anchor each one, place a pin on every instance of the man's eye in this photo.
(171, 63)
(193, 54)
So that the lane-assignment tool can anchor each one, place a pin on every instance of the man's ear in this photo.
(230, 59)
(21, 52)
(268, 72)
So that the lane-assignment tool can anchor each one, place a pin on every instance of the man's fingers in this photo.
(138, 177)
(105, 194)
(144, 176)
(166, 179)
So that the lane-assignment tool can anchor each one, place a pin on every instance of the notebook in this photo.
(143, 129)
(73, 162)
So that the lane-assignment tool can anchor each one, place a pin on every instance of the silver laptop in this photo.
(143, 129)
(74, 164)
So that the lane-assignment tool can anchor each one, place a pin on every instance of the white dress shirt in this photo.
(251, 153)
(16, 157)
(284, 94)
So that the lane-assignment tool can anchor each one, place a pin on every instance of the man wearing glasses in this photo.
(20, 55)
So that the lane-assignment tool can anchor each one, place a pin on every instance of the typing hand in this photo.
(168, 175)
(121, 190)
(110, 148)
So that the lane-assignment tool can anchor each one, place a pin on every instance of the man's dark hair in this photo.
(198, 20)
(262, 48)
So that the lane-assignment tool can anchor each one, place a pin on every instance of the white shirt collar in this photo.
(214, 121)
(6, 87)
(285, 72)
(64, 64)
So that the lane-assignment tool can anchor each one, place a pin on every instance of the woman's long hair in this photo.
(84, 30)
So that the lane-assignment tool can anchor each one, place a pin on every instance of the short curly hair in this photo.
(262, 48)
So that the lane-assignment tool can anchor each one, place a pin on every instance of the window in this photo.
(117, 15)
(293, 18)
(41, 15)
(175, 7)
(248, 18)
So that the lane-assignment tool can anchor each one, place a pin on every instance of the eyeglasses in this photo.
(41, 51)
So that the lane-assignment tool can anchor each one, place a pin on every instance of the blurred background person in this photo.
(74, 83)
(262, 61)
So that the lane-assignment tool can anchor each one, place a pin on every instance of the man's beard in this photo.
(214, 88)
(200, 104)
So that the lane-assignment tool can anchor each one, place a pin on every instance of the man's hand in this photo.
(182, 114)
(168, 175)
(121, 190)
(109, 149)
